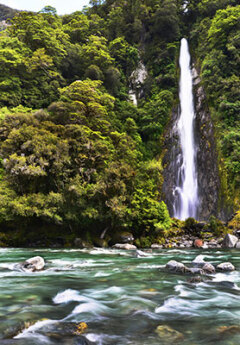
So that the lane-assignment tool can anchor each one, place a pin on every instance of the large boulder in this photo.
(125, 246)
(229, 241)
(226, 266)
(176, 267)
(33, 264)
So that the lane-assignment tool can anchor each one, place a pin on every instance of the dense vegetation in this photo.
(76, 154)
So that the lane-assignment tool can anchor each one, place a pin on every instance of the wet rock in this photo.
(196, 270)
(195, 280)
(226, 266)
(141, 254)
(176, 267)
(169, 335)
(125, 246)
(199, 261)
(229, 241)
(156, 246)
(229, 330)
(226, 284)
(208, 268)
(33, 264)
(198, 243)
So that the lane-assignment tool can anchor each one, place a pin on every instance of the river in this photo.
(122, 298)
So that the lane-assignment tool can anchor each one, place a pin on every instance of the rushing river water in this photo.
(123, 299)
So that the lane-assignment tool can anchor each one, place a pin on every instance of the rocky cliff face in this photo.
(206, 157)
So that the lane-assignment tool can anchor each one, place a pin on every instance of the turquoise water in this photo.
(123, 299)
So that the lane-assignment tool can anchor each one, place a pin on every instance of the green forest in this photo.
(77, 157)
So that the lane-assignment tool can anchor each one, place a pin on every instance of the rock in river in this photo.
(208, 268)
(34, 264)
(226, 266)
(229, 241)
(169, 335)
(176, 267)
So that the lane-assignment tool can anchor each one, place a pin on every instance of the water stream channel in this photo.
(122, 298)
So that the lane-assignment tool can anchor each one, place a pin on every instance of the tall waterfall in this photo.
(186, 192)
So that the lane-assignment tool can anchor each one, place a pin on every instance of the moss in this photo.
(235, 222)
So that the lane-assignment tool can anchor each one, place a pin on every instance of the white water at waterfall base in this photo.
(186, 190)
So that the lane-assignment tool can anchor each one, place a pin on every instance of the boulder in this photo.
(196, 270)
(226, 266)
(198, 243)
(169, 335)
(238, 245)
(199, 261)
(125, 246)
(33, 264)
(208, 268)
(176, 267)
(195, 280)
(141, 254)
(229, 241)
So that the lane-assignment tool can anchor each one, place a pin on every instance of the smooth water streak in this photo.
(186, 201)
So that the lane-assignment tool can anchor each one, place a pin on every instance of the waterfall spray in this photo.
(186, 191)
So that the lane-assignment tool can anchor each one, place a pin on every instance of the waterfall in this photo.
(186, 190)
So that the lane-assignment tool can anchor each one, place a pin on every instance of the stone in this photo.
(33, 264)
(198, 243)
(208, 268)
(229, 241)
(196, 270)
(177, 267)
(156, 246)
(195, 280)
(238, 245)
(141, 254)
(168, 335)
(226, 266)
(199, 261)
(125, 246)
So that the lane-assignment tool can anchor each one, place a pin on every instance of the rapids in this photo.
(123, 299)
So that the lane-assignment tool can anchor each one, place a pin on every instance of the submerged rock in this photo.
(195, 280)
(229, 241)
(141, 254)
(169, 335)
(125, 246)
(226, 266)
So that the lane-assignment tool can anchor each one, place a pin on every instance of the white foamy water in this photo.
(187, 189)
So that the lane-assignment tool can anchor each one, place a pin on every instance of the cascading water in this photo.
(186, 192)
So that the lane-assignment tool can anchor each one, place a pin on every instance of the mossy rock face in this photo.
(235, 222)
(143, 242)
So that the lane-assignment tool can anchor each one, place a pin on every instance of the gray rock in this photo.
(196, 270)
(208, 268)
(238, 245)
(229, 241)
(125, 246)
(174, 266)
(33, 264)
(199, 261)
(141, 254)
(156, 246)
(226, 266)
